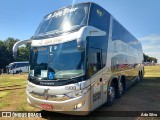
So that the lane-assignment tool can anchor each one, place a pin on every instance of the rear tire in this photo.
(139, 79)
(141, 75)
(17, 72)
(121, 89)
(111, 94)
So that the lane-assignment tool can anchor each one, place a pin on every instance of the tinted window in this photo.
(39, 59)
(27, 64)
(120, 33)
(64, 19)
(99, 18)
(94, 62)
(99, 43)
(18, 65)
(104, 58)
(62, 61)
(13, 66)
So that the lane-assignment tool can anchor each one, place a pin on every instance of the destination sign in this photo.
(61, 12)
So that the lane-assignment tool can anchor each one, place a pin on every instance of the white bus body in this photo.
(17, 67)
(80, 59)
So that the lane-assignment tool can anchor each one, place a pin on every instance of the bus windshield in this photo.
(63, 20)
(56, 62)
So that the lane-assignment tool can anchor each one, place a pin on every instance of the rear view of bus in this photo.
(74, 65)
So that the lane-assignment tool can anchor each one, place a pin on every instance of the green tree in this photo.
(23, 53)
(3, 55)
(9, 42)
(7, 55)
(149, 59)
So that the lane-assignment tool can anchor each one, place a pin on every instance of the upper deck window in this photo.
(63, 20)
(99, 18)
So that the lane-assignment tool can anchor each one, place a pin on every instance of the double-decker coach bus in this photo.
(81, 57)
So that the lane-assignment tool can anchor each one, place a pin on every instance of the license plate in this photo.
(47, 106)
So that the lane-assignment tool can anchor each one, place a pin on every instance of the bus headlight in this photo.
(79, 105)
(77, 93)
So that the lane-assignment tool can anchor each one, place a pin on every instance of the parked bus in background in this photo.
(81, 57)
(17, 67)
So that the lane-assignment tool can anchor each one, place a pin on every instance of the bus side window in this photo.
(94, 62)
(104, 57)
(18, 65)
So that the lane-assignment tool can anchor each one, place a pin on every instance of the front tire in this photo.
(111, 94)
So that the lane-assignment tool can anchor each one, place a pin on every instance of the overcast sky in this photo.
(20, 18)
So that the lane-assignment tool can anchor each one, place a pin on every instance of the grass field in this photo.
(12, 93)
(152, 71)
(13, 97)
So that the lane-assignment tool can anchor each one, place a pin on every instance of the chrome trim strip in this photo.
(49, 97)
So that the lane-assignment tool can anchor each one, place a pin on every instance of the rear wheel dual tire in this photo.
(140, 77)
(114, 92)
(121, 89)
(17, 72)
(111, 94)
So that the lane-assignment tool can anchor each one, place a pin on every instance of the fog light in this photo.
(79, 105)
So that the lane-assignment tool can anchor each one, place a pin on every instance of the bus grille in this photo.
(49, 97)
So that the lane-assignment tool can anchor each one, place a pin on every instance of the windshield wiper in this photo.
(76, 76)
(64, 78)
(69, 77)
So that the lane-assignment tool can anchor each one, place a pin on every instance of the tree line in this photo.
(6, 55)
(149, 59)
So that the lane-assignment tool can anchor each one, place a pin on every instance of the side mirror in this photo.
(80, 44)
(17, 44)
(86, 31)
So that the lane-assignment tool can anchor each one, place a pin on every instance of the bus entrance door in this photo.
(95, 64)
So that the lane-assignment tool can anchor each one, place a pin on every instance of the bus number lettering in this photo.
(70, 87)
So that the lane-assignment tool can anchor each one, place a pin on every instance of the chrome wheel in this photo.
(112, 93)
(121, 88)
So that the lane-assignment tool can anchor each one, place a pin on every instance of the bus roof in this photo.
(19, 62)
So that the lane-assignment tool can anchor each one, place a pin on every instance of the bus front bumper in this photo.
(74, 106)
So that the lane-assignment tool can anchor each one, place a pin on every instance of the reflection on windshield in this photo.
(64, 20)
(63, 61)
